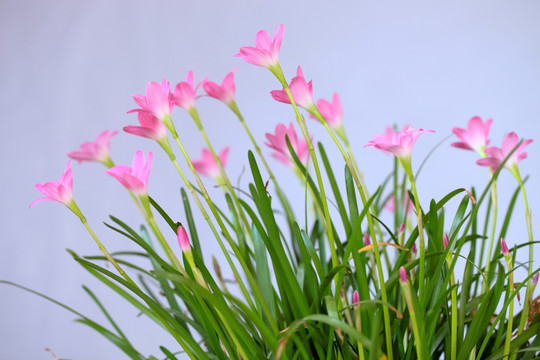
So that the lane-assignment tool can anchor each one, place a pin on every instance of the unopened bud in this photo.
(183, 239)
(413, 248)
(504, 248)
(403, 275)
(367, 241)
(401, 228)
(445, 241)
(535, 279)
(355, 299)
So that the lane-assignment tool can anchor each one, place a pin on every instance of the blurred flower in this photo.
(183, 239)
(331, 111)
(403, 275)
(301, 91)
(266, 50)
(407, 203)
(151, 127)
(279, 144)
(367, 240)
(60, 191)
(356, 299)
(400, 144)
(475, 137)
(445, 241)
(223, 92)
(495, 155)
(158, 100)
(134, 178)
(97, 150)
(185, 92)
(207, 165)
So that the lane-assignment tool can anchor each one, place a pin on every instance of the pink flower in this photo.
(445, 241)
(158, 100)
(223, 92)
(301, 91)
(475, 137)
(266, 50)
(97, 150)
(60, 191)
(134, 178)
(183, 239)
(185, 92)
(367, 241)
(400, 143)
(403, 275)
(279, 144)
(207, 165)
(495, 155)
(331, 111)
(151, 127)
(535, 279)
(407, 203)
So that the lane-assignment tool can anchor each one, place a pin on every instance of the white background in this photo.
(68, 69)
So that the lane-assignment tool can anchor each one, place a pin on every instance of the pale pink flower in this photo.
(403, 275)
(185, 92)
(61, 191)
(301, 91)
(158, 100)
(223, 92)
(475, 137)
(183, 239)
(407, 203)
(400, 143)
(279, 144)
(266, 50)
(134, 178)
(207, 165)
(331, 111)
(356, 299)
(151, 127)
(495, 155)
(97, 150)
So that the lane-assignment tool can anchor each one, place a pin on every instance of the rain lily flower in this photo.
(495, 155)
(301, 91)
(504, 248)
(60, 191)
(266, 50)
(279, 144)
(207, 165)
(97, 150)
(408, 205)
(185, 92)
(134, 178)
(151, 127)
(183, 239)
(158, 100)
(223, 92)
(475, 137)
(400, 144)
(331, 111)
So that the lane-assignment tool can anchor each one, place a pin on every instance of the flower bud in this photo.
(355, 299)
(403, 275)
(504, 248)
(445, 241)
(535, 279)
(183, 239)
(367, 241)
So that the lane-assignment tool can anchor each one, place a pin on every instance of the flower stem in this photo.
(485, 287)
(510, 309)
(421, 271)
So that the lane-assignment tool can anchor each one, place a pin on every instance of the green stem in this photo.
(528, 294)
(453, 331)
(280, 193)
(223, 228)
(421, 270)
(510, 310)
(361, 189)
(485, 287)
(416, 331)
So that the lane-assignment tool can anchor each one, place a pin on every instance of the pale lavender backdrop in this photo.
(68, 69)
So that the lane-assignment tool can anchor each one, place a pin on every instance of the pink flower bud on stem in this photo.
(403, 275)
